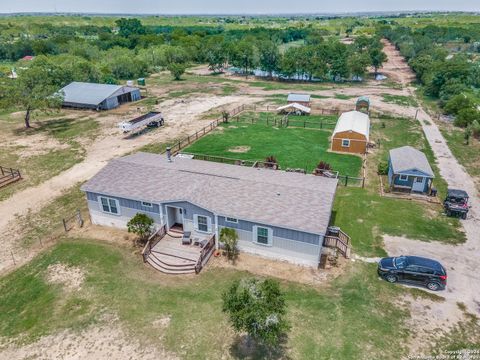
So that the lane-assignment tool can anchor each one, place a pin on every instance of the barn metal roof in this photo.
(298, 97)
(407, 158)
(364, 98)
(355, 121)
(88, 93)
(276, 198)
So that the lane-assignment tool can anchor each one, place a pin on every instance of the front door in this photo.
(418, 184)
(178, 216)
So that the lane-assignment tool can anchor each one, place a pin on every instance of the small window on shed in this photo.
(232, 220)
(403, 177)
(345, 142)
(147, 204)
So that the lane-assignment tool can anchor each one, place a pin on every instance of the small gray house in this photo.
(276, 214)
(409, 170)
(83, 95)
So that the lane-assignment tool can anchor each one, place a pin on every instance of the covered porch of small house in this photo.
(417, 184)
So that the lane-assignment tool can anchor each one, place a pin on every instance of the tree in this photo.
(177, 70)
(257, 308)
(269, 57)
(242, 55)
(129, 27)
(229, 237)
(466, 116)
(377, 58)
(34, 90)
(141, 225)
(358, 63)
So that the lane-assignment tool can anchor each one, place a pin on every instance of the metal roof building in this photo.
(98, 96)
(353, 121)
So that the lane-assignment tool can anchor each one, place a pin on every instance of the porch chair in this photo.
(187, 238)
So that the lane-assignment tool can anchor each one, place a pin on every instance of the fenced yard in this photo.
(254, 137)
(8, 176)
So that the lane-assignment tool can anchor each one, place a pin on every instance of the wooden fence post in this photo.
(13, 258)
(64, 225)
(346, 180)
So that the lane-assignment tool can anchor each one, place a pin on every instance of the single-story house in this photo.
(302, 99)
(98, 96)
(295, 109)
(409, 169)
(279, 215)
(352, 133)
(363, 104)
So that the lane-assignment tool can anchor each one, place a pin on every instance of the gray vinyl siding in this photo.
(278, 232)
(136, 95)
(109, 103)
(127, 203)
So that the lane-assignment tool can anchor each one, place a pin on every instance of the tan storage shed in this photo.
(351, 134)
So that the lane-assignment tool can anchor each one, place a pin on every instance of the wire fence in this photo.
(19, 252)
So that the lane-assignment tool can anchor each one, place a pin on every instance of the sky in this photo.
(232, 7)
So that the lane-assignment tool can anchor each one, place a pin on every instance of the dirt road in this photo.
(462, 261)
(182, 118)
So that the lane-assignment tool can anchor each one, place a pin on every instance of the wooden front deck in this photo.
(168, 255)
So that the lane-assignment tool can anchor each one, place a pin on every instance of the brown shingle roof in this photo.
(288, 200)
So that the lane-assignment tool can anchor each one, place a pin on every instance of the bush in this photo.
(141, 225)
(257, 308)
(466, 117)
(229, 237)
(382, 168)
(177, 70)
(322, 165)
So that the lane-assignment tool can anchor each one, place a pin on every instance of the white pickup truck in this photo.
(152, 119)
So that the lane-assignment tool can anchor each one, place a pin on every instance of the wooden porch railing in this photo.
(339, 241)
(9, 175)
(152, 241)
(205, 254)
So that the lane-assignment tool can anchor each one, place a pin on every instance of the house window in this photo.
(345, 142)
(419, 180)
(232, 220)
(147, 204)
(262, 235)
(202, 223)
(403, 177)
(109, 205)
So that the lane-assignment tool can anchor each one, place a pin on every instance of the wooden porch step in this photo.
(173, 261)
(167, 269)
(175, 234)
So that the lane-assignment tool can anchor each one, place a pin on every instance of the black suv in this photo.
(415, 270)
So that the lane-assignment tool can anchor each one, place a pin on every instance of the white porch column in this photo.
(217, 233)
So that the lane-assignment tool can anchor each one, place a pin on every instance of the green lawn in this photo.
(292, 147)
(352, 318)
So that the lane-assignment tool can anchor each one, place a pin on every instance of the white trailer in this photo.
(152, 119)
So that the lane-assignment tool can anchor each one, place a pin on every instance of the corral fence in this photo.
(177, 147)
(8, 175)
(344, 180)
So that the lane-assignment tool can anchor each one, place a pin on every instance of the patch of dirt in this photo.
(106, 342)
(162, 322)
(280, 269)
(239, 149)
(32, 145)
(70, 277)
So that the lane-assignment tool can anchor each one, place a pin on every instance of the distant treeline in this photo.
(446, 62)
